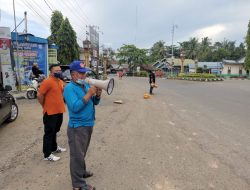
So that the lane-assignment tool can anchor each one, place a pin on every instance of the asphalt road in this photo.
(188, 136)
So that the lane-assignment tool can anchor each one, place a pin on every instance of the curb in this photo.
(20, 97)
(198, 79)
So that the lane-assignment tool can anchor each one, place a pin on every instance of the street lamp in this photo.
(105, 58)
(182, 56)
(86, 51)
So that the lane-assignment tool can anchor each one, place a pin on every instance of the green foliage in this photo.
(190, 48)
(56, 21)
(68, 47)
(197, 75)
(158, 51)
(131, 55)
(199, 70)
(247, 60)
(205, 51)
(141, 74)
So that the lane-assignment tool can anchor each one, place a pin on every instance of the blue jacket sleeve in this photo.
(74, 103)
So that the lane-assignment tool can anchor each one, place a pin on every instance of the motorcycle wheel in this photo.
(31, 94)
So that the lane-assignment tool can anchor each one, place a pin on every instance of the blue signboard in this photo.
(29, 53)
(31, 50)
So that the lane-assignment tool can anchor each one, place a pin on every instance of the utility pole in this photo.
(26, 25)
(172, 57)
(17, 70)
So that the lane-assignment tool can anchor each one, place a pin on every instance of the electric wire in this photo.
(82, 11)
(44, 12)
(34, 11)
(73, 21)
(48, 5)
(77, 12)
(80, 30)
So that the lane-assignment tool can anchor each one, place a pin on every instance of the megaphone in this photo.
(106, 85)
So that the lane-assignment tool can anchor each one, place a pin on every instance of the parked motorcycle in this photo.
(33, 89)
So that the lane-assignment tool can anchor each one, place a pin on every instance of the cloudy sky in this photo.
(139, 22)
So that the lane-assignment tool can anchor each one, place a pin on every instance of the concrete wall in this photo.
(234, 69)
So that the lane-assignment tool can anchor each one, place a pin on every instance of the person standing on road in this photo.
(151, 81)
(50, 96)
(81, 100)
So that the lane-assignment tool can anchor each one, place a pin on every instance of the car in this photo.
(8, 106)
(67, 77)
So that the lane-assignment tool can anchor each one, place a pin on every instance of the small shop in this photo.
(30, 49)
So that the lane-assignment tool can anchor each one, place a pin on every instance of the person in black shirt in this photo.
(151, 81)
(36, 71)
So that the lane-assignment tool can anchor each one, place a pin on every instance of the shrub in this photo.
(141, 74)
(197, 75)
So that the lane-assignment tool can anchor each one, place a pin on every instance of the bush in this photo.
(141, 74)
(197, 75)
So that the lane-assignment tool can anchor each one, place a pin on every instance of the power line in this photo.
(73, 21)
(75, 12)
(82, 11)
(46, 15)
(48, 5)
(28, 5)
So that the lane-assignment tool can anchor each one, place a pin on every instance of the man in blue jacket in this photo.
(81, 100)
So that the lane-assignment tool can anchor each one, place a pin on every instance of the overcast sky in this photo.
(139, 22)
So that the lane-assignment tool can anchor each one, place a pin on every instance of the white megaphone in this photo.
(106, 85)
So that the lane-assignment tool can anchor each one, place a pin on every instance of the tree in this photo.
(56, 21)
(190, 48)
(247, 59)
(158, 51)
(131, 55)
(68, 47)
(205, 49)
(111, 53)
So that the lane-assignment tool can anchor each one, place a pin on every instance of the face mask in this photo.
(58, 75)
(80, 81)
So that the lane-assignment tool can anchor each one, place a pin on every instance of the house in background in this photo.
(173, 65)
(213, 67)
(234, 67)
(114, 67)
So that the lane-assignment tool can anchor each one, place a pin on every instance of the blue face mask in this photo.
(81, 81)
(58, 75)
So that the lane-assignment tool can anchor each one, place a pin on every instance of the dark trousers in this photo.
(79, 139)
(52, 125)
(151, 89)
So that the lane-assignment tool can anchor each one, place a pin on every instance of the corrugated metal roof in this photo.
(234, 62)
(209, 65)
(29, 38)
(177, 62)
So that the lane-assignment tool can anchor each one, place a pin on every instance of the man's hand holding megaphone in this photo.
(98, 92)
(93, 91)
